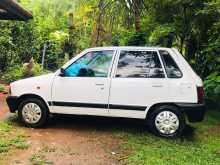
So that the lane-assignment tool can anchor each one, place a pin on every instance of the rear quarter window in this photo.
(170, 65)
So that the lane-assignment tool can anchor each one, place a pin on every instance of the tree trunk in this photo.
(137, 23)
(137, 4)
(181, 44)
(170, 39)
(97, 26)
(135, 7)
(191, 48)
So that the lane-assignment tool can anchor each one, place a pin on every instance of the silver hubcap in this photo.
(31, 113)
(167, 122)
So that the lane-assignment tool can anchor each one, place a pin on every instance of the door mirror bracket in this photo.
(62, 72)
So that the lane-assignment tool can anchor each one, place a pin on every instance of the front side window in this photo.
(92, 64)
(170, 65)
(139, 64)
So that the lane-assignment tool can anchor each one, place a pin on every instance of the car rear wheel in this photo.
(33, 112)
(167, 121)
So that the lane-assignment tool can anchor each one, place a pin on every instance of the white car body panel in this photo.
(40, 86)
(81, 90)
(137, 92)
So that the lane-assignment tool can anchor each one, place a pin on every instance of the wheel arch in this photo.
(26, 96)
(154, 106)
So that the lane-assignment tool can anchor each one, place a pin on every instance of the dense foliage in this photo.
(191, 26)
(17, 72)
(212, 86)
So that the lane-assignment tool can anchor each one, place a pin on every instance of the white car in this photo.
(150, 83)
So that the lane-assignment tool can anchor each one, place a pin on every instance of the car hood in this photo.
(34, 80)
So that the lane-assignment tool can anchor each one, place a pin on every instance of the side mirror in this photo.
(62, 72)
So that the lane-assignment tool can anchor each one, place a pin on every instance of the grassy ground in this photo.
(11, 139)
(200, 145)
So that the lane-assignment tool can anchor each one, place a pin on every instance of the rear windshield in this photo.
(170, 65)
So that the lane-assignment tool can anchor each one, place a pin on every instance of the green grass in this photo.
(10, 139)
(2, 88)
(200, 146)
(38, 159)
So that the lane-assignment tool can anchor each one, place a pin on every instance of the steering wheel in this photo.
(86, 72)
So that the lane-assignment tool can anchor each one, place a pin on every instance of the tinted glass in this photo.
(139, 64)
(93, 64)
(170, 65)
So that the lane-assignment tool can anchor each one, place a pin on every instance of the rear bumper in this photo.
(194, 112)
(12, 103)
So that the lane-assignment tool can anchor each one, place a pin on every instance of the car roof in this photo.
(125, 47)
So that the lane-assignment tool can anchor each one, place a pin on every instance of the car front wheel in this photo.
(33, 112)
(167, 121)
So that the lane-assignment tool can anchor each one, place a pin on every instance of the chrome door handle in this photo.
(157, 86)
(99, 84)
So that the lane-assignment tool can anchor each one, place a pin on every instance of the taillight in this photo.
(200, 95)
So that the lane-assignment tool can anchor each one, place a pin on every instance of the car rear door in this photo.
(138, 81)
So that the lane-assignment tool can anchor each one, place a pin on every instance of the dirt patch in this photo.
(67, 141)
(69, 145)
(215, 130)
(3, 107)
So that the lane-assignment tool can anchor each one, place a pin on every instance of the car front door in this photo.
(139, 80)
(84, 86)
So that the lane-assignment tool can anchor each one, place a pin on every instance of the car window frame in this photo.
(82, 54)
(163, 63)
(117, 62)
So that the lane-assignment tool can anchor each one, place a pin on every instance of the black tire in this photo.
(173, 109)
(44, 112)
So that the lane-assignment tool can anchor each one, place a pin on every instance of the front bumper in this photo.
(194, 112)
(12, 103)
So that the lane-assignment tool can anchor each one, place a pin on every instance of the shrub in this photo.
(13, 73)
(2, 89)
(19, 72)
(137, 39)
(37, 70)
(212, 86)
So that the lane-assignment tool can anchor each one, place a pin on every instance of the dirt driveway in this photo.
(67, 141)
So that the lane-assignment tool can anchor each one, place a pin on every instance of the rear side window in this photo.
(139, 64)
(170, 65)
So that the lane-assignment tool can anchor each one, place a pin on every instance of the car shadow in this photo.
(101, 124)
(108, 124)
(94, 122)
(189, 133)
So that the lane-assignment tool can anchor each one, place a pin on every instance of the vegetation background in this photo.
(66, 27)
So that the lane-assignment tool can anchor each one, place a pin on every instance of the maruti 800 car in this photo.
(150, 83)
